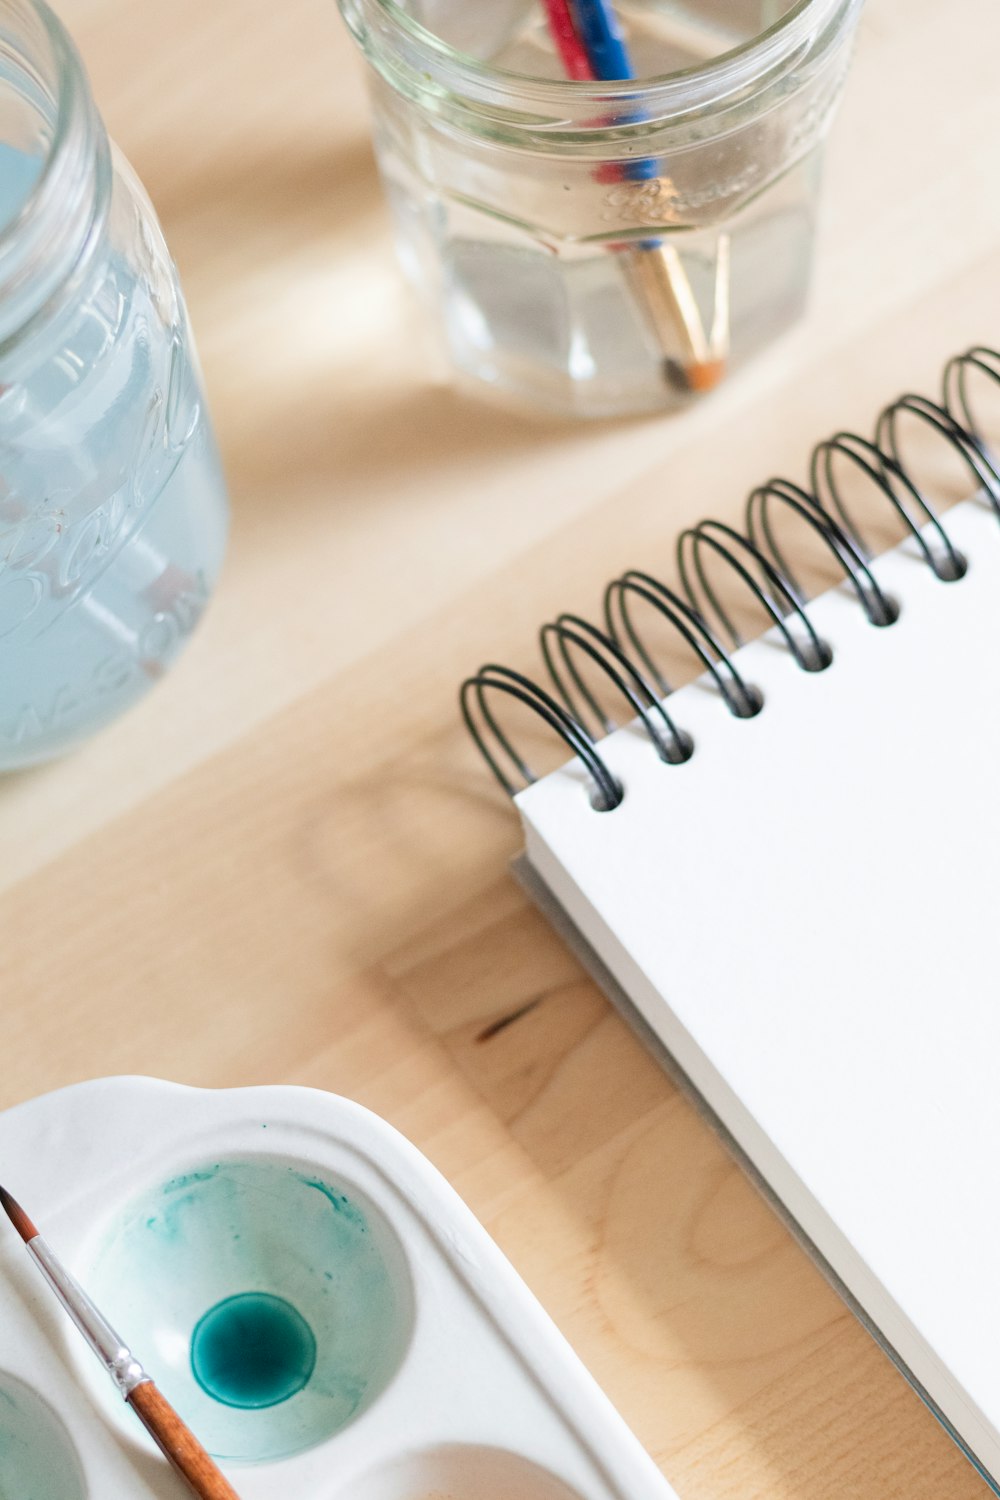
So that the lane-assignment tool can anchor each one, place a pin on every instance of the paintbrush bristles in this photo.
(17, 1216)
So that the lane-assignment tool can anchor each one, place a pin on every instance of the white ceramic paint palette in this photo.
(307, 1290)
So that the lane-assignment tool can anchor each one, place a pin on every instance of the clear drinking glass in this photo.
(605, 248)
(113, 512)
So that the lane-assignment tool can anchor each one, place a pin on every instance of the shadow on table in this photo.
(322, 372)
(325, 451)
(243, 203)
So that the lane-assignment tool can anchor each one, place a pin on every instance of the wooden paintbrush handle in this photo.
(179, 1444)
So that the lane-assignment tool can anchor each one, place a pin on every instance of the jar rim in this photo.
(660, 95)
(44, 243)
(67, 74)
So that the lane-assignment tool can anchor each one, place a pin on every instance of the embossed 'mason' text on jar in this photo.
(113, 512)
(524, 203)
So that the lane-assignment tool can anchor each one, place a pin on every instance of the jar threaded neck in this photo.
(470, 90)
(47, 244)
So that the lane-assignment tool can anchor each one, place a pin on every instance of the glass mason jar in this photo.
(605, 248)
(113, 512)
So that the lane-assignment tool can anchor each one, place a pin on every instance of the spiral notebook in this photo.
(802, 908)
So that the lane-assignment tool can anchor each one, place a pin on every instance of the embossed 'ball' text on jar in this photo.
(113, 512)
(578, 240)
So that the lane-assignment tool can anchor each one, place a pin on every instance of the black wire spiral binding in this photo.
(516, 685)
(958, 405)
(570, 630)
(756, 558)
(740, 698)
(880, 609)
(774, 595)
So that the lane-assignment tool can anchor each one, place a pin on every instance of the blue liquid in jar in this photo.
(253, 1350)
(113, 517)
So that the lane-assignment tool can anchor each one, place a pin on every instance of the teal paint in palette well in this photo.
(37, 1459)
(271, 1304)
(253, 1350)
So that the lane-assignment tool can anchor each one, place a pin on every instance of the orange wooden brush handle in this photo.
(179, 1444)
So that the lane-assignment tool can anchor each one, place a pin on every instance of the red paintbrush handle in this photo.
(564, 33)
(179, 1444)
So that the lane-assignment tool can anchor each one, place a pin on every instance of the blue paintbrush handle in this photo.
(607, 52)
(603, 39)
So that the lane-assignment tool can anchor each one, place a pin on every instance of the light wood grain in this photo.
(288, 865)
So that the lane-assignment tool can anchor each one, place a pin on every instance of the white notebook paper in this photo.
(807, 914)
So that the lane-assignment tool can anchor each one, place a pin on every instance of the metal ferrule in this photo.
(117, 1358)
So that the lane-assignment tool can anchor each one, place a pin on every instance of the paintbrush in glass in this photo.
(591, 45)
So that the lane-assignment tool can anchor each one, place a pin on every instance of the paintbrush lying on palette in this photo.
(155, 1413)
(591, 45)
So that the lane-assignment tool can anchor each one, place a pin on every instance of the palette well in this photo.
(307, 1290)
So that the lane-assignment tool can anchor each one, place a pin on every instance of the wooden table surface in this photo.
(288, 864)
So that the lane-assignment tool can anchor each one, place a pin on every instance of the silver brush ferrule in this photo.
(117, 1358)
